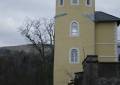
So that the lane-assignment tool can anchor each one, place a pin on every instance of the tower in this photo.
(74, 37)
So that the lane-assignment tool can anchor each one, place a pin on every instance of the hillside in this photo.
(28, 48)
(21, 65)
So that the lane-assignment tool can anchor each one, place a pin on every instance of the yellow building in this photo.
(80, 31)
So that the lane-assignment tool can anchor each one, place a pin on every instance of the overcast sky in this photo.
(13, 13)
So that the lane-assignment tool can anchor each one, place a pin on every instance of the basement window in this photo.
(74, 2)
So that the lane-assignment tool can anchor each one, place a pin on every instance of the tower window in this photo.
(74, 2)
(88, 2)
(74, 56)
(74, 29)
(61, 2)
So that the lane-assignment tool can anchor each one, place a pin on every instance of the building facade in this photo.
(80, 32)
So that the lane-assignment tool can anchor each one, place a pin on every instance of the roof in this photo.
(104, 17)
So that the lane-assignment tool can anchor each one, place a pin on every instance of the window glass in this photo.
(74, 29)
(88, 2)
(61, 2)
(75, 2)
(74, 56)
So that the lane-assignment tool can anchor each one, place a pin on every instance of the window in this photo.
(61, 2)
(88, 2)
(74, 56)
(74, 29)
(74, 2)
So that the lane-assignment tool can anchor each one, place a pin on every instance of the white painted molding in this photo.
(107, 57)
(100, 56)
(116, 45)
(105, 43)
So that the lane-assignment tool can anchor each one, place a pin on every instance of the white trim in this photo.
(58, 2)
(105, 43)
(78, 61)
(116, 59)
(78, 2)
(100, 56)
(90, 5)
(70, 31)
(115, 34)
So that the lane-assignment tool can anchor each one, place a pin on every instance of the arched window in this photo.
(74, 56)
(74, 29)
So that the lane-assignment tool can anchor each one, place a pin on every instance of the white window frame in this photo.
(78, 2)
(78, 57)
(90, 5)
(70, 33)
(60, 4)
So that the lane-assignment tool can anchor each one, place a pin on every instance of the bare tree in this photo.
(40, 32)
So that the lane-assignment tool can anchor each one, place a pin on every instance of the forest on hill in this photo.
(21, 67)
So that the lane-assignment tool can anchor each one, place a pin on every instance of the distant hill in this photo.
(28, 48)
(21, 65)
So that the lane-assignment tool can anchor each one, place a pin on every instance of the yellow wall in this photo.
(94, 38)
(106, 41)
(63, 70)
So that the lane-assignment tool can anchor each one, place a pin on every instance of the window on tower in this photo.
(74, 56)
(88, 2)
(74, 29)
(74, 2)
(61, 2)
